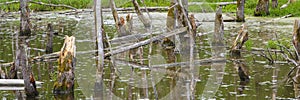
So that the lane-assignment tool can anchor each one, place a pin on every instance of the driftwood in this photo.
(241, 38)
(145, 42)
(39, 3)
(15, 82)
(286, 5)
(66, 67)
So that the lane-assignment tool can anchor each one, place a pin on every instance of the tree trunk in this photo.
(262, 8)
(296, 37)
(274, 3)
(50, 33)
(240, 11)
(138, 11)
(66, 67)
(22, 59)
(25, 22)
(296, 43)
(219, 28)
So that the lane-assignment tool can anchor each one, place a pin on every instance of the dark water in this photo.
(124, 79)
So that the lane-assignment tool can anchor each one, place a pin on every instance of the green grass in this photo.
(36, 7)
(250, 5)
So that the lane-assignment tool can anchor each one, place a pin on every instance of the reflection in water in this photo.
(243, 73)
(216, 72)
(218, 51)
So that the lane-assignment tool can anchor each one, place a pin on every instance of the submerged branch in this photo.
(145, 42)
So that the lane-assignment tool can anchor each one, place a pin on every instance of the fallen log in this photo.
(16, 82)
(145, 42)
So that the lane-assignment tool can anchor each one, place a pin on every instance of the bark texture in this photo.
(262, 8)
(241, 38)
(240, 11)
(66, 65)
(296, 43)
(25, 22)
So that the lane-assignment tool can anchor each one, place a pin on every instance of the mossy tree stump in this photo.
(66, 65)
(241, 38)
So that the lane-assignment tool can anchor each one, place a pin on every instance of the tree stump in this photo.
(66, 65)
(25, 20)
(262, 8)
(241, 38)
(219, 28)
(296, 43)
(240, 11)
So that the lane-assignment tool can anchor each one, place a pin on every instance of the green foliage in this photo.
(249, 44)
(272, 44)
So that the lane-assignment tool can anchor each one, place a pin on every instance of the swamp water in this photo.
(125, 79)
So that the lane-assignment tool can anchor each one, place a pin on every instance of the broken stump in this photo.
(66, 65)
(240, 39)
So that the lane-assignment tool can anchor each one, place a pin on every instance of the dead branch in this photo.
(145, 42)
(39, 3)
(115, 14)
(150, 9)
(10, 2)
(138, 11)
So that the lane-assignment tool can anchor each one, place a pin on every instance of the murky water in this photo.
(125, 79)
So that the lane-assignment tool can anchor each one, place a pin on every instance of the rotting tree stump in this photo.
(262, 8)
(219, 28)
(66, 65)
(241, 38)
(240, 11)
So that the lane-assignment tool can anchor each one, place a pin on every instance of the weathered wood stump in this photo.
(240, 11)
(262, 8)
(66, 65)
(241, 38)
(25, 20)
(219, 28)
(50, 33)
